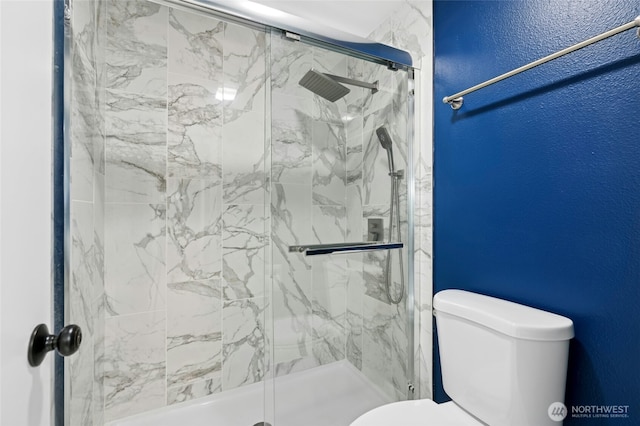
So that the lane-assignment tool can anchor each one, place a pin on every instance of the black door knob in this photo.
(65, 343)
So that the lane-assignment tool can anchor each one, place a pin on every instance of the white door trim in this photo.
(26, 46)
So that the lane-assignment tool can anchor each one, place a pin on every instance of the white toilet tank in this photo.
(502, 362)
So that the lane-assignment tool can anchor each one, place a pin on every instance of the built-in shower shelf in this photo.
(316, 249)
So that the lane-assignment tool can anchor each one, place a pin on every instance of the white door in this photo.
(26, 42)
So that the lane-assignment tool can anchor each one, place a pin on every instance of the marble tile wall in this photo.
(308, 206)
(410, 28)
(329, 167)
(85, 292)
(384, 332)
(168, 213)
(176, 197)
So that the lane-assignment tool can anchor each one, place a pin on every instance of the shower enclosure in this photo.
(199, 165)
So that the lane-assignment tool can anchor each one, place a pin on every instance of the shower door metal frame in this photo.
(411, 189)
(61, 195)
(395, 59)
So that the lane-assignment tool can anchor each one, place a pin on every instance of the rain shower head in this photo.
(328, 86)
(323, 85)
(384, 137)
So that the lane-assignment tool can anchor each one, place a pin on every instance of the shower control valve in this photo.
(375, 229)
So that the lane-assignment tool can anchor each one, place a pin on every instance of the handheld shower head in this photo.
(384, 137)
(385, 141)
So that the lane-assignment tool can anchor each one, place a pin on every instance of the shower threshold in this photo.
(331, 395)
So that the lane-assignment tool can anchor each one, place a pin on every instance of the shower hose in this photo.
(394, 219)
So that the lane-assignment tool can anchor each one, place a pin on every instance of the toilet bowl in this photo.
(503, 364)
(422, 412)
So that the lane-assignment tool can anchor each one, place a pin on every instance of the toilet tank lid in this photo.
(506, 317)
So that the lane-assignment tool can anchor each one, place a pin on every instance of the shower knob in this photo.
(65, 343)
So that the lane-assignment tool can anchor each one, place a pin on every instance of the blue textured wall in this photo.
(537, 178)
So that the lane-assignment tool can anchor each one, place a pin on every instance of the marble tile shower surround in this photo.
(328, 165)
(187, 206)
(409, 28)
(176, 223)
(85, 292)
(169, 246)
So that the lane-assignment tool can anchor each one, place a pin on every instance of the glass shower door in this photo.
(168, 233)
(197, 159)
(340, 346)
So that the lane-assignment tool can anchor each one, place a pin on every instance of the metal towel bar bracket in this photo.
(457, 99)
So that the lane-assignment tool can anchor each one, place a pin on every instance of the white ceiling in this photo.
(358, 17)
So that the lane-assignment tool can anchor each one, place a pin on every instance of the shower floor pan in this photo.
(332, 395)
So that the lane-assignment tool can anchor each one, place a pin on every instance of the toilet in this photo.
(503, 364)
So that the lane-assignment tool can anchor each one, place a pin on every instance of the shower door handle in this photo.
(316, 249)
(66, 343)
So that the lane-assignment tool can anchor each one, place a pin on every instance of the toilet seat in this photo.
(422, 412)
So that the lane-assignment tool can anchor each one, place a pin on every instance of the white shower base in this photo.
(332, 395)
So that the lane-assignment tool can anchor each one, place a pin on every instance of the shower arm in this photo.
(350, 81)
